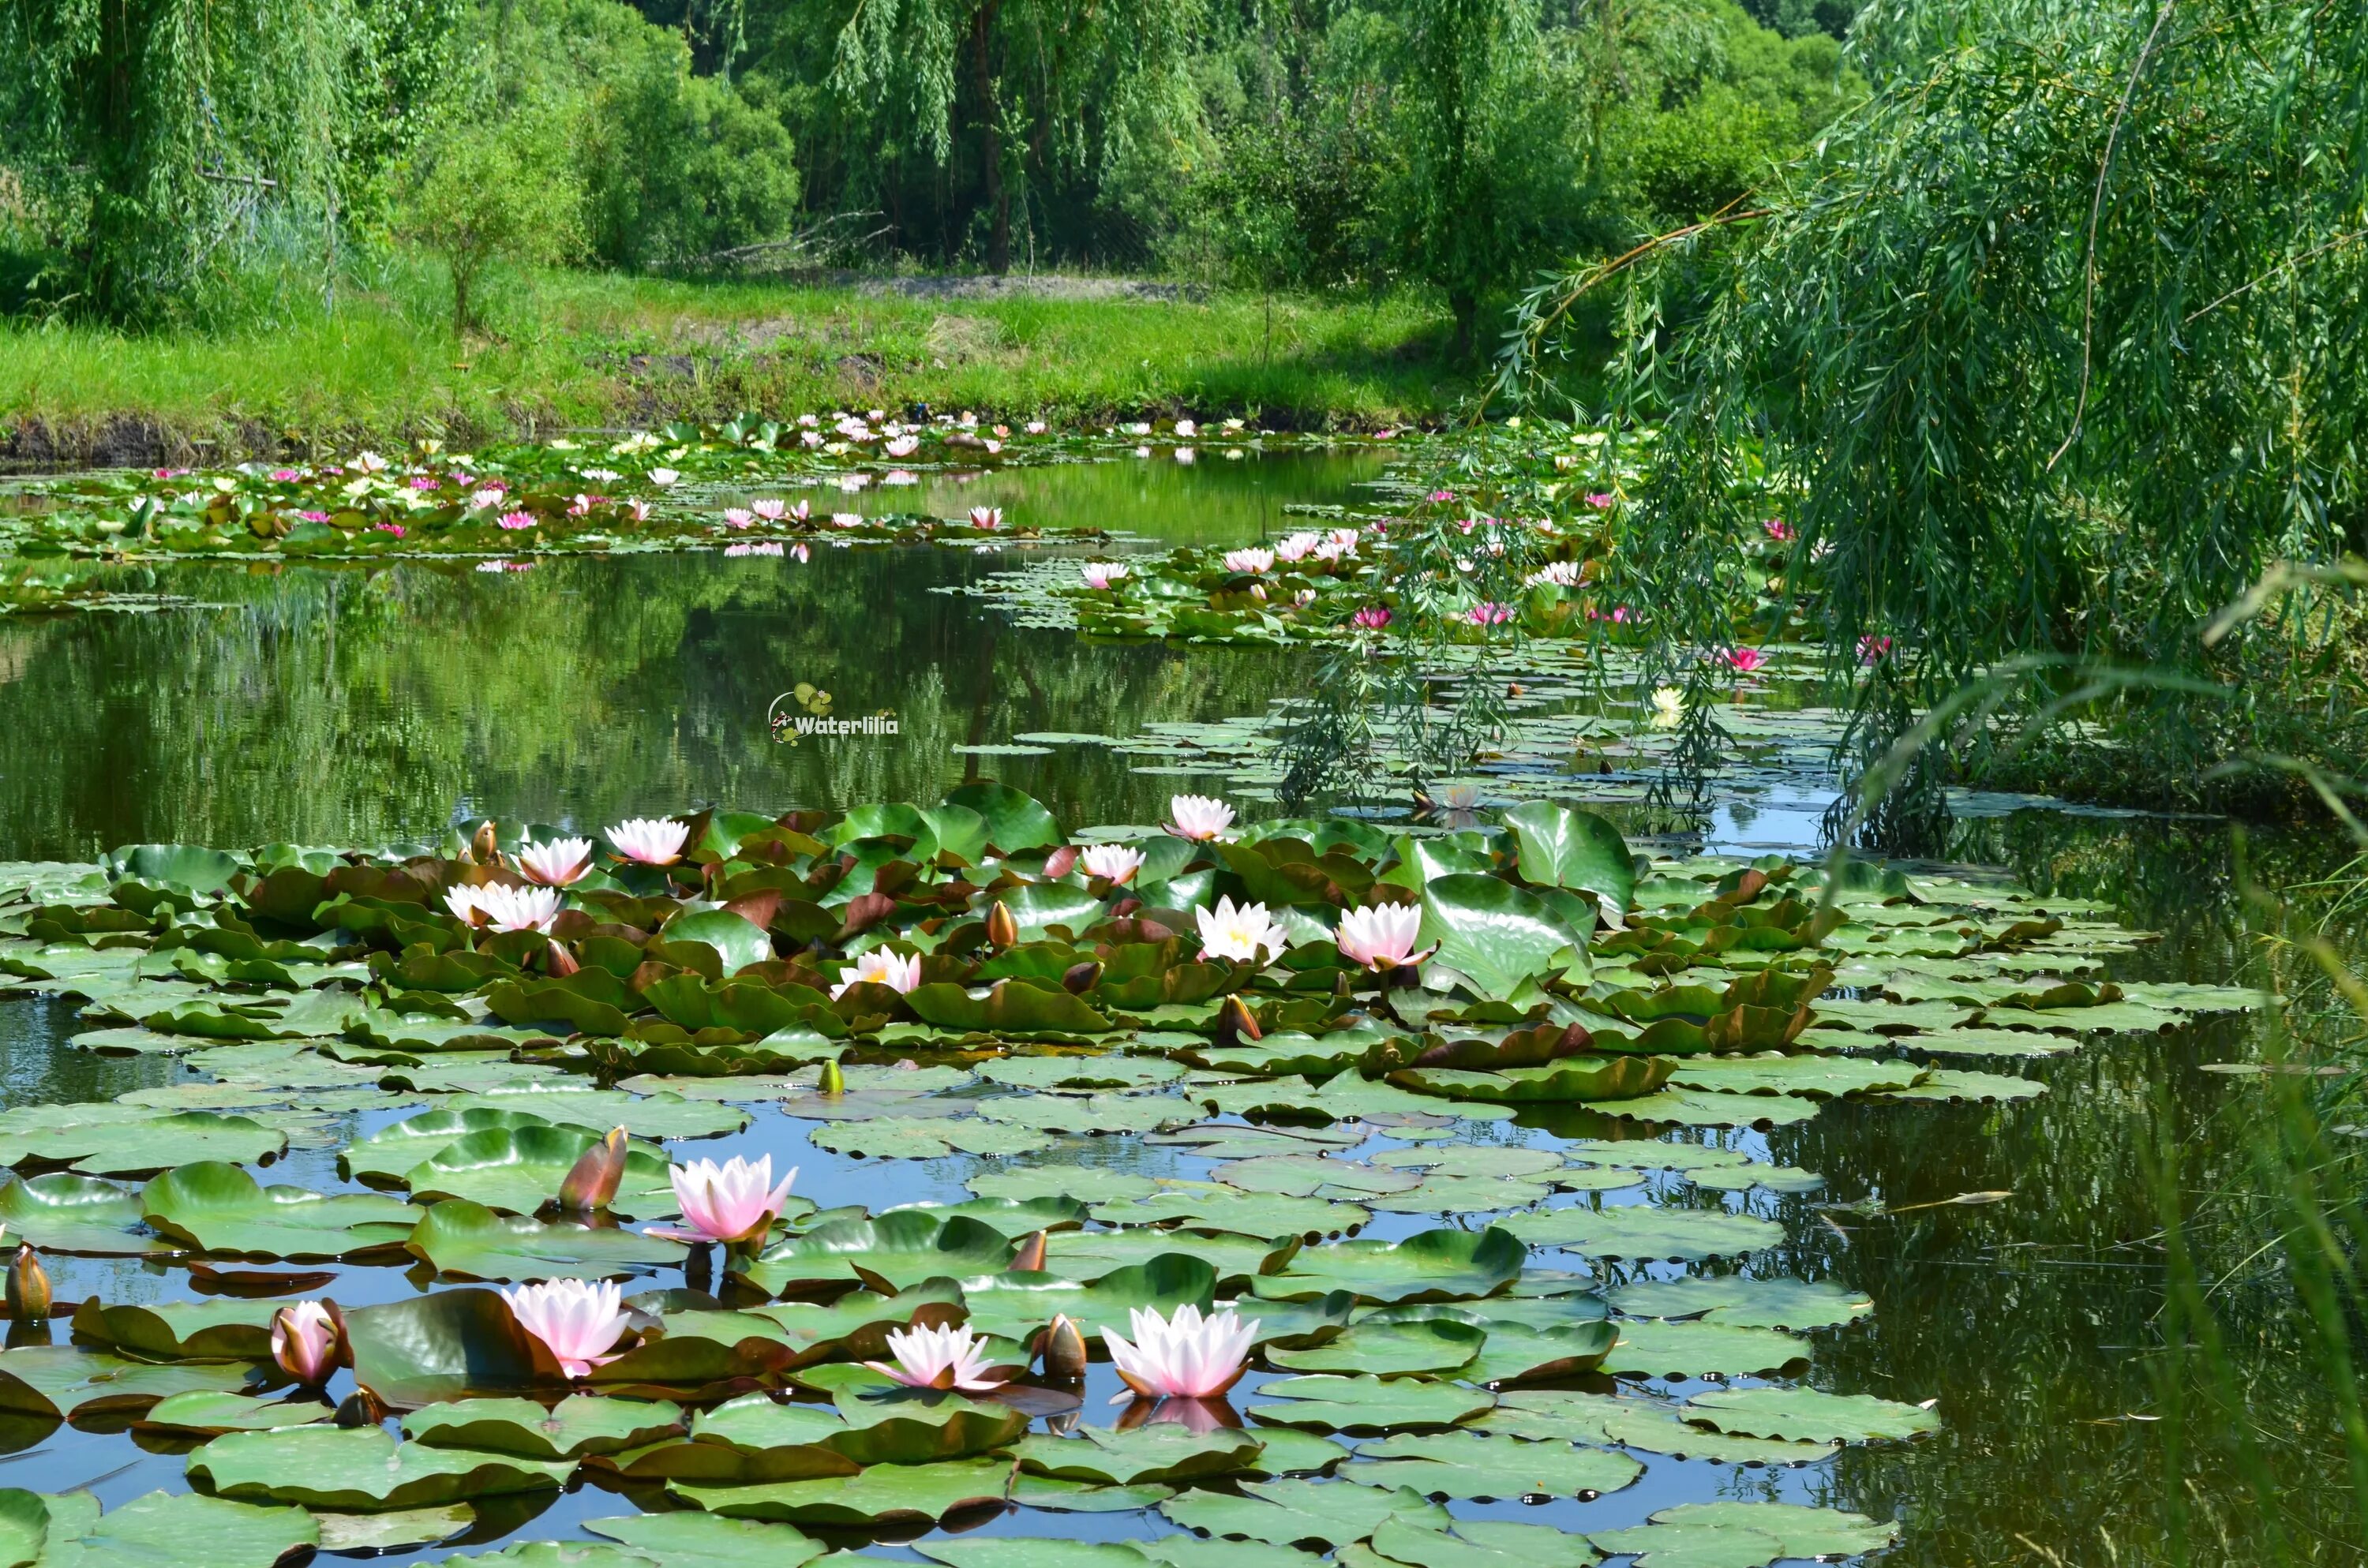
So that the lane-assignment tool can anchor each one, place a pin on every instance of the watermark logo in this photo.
(804, 710)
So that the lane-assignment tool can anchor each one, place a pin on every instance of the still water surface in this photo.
(359, 705)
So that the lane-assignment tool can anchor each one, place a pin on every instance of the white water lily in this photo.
(1380, 935)
(1198, 816)
(662, 477)
(898, 972)
(1560, 574)
(555, 864)
(651, 841)
(1119, 862)
(1100, 574)
(1668, 707)
(1239, 931)
(937, 1358)
(1249, 560)
(1183, 1357)
(1294, 547)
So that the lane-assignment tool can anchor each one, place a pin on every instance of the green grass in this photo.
(572, 349)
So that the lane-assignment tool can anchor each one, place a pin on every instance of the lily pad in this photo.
(1647, 1231)
(881, 1494)
(1749, 1302)
(472, 1241)
(576, 1426)
(61, 1380)
(1434, 1347)
(213, 1412)
(64, 1211)
(1481, 1543)
(1442, 1265)
(1473, 1464)
(119, 1143)
(1653, 1350)
(899, 1248)
(1745, 1535)
(1798, 1414)
(1161, 1451)
(220, 1330)
(1013, 1305)
(1498, 933)
(358, 1470)
(182, 1529)
(219, 1208)
(447, 1345)
(518, 1170)
(1283, 1513)
(1367, 1404)
(684, 1539)
(1562, 1415)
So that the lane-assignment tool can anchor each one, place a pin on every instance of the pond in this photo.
(365, 705)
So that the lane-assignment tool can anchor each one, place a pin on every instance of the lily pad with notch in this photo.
(1431, 1265)
(1647, 1231)
(1160, 1452)
(887, 1494)
(470, 1240)
(1745, 1535)
(1283, 1512)
(578, 1426)
(1359, 1404)
(66, 1211)
(1801, 1415)
(1478, 1465)
(218, 1208)
(361, 1470)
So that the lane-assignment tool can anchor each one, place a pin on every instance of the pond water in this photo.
(349, 706)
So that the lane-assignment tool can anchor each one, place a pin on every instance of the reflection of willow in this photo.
(2045, 1321)
(356, 707)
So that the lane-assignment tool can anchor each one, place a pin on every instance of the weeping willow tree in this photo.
(2053, 348)
(169, 127)
(1036, 87)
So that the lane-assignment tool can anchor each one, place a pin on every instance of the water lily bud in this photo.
(1029, 1258)
(1081, 977)
(305, 1341)
(361, 1408)
(485, 845)
(1059, 863)
(558, 962)
(28, 1285)
(1064, 1350)
(1236, 1022)
(833, 1082)
(593, 1181)
(1002, 931)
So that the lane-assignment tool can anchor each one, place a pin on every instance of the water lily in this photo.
(638, 510)
(463, 901)
(1119, 862)
(1239, 931)
(499, 907)
(1333, 550)
(1292, 547)
(1488, 613)
(1250, 559)
(1874, 649)
(1187, 428)
(738, 518)
(1746, 660)
(1559, 574)
(986, 517)
(578, 1320)
(662, 477)
(846, 520)
(734, 1202)
(1100, 574)
(304, 1342)
(650, 841)
(937, 1358)
(1778, 529)
(800, 511)
(881, 966)
(1600, 502)
(1035, 428)
(1381, 935)
(903, 446)
(369, 462)
(769, 508)
(1668, 707)
(1372, 618)
(1198, 816)
(1183, 1357)
(516, 519)
(478, 500)
(556, 864)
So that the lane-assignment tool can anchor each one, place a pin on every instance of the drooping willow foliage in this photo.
(2053, 346)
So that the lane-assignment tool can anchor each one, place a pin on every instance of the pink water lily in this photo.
(734, 1202)
(738, 516)
(1239, 931)
(898, 972)
(1746, 660)
(1488, 613)
(304, 1342)
(1381, 935)
(1334, 550)
(903, 446)
(1291, 547)
(769, 509)
(556, 864)
(578, 1320)
(986, 517)
(1119, 862)
(1188, 428)
(480, 499)
(650, 841)
(1874, 649)
(1372, 618)
(1778, 529)
(1198, 816)
(937, 1358)
(499, 907)
(1250, 559)
(1100, 574)
(1183, 1357)
(515, 520)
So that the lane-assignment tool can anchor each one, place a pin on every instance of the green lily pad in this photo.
(394, 1529)
(578, 1425)
(1770, 1179)
(1473, 1464)
(1161, 1451)
(901, 1247)
(1309, 1175)
(1654, 1349)
(1481, 1543)
(1442, 1265)
(180, 1529)
(61, 1380)
(121, 1140)
(213, 1412)
(362, 1469)
(470, 1240)
(1748, 1303)
(1498, 933)
(518, 1170)
(1517, 1352)
(899, 1138)
(559, 1098)
(1089, 1254)
(1367, 1404)
(1090, 1183)
(1284, 1512)
(64, 1212)
(1015, 1305)
(1081, 1071)
(219, 1330)
(1573, 849)
(684, 1539)
(1194, 1551)
(1798, 1414)
(737, 941)
(1647, 1231)
(1031, 1551)
(1471, 1160)
(1433, 1348)
(1290, 1451)
(1084, 1496)
(1562, 1415)
(1745, 1535)
(884, 1493)
(385, 1155)
(1205, 1206)
(448, 1344)
(219, 1208)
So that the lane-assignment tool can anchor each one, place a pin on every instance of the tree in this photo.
(502, 192)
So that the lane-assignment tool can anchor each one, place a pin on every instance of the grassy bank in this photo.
(576, 350)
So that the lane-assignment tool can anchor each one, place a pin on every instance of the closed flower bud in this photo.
(833, 1082)
(592, 1183)
(485, 845)
(305, 1342)
(558, 962)
(1236, 1022)
(1002, 931)
(28, 1285)
(1081, 977)
(1064, 1350)
(1029, 1258)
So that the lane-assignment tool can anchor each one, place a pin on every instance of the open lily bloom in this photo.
(1100, 574)
(986, 517)
(937, 1358)
(1231, 931)
(1380, 935)
(1294, 547)
(1119, 862)
(729, 1202)
(503, 908)
(579, 1321)
(1251, 560)
(898, 972)
(463, 901)
(650, 841)
(1198, 816)
(555, 864)
(1185, 1357)
(304, 1342)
